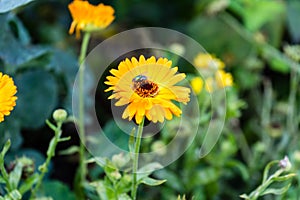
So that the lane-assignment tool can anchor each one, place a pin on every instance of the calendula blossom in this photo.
(223, 79)
(147, 87)
(197, 84)
(214, 69)
(88, 17)
(7, 98)
(208, 61)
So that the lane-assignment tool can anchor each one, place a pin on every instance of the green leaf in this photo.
(12, 50)
(15, 175)
(11, 130)
(8, 5)
(57, 190)
(267, 169)
(104, 191)
(70, 151)
(257, 13)
(276, 191)
(28, 183)
(284, 177)
(151, 182)
(15, 195)
(204, 28)
(36, 89)
(293, 16)
(147, 170)
(5, 148)
(124, 197)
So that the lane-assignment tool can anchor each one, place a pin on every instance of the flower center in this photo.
(144, 87)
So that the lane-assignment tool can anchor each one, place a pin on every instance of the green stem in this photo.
(136, 160)
(50, 153)
(82, 166)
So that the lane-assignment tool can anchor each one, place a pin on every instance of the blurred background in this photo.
(256, 39)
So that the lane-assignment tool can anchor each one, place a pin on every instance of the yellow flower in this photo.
(205, 60)
(7, 98)
(223, 79)
(88, 17)
(197, 84)
(148, 87)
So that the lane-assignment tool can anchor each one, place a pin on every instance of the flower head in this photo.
(148, 87)
(197, 84)
(223, 79)
(88, 17)
(208, 61)
(7, 98)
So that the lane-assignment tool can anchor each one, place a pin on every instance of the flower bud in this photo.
(285, 164)
(60, 115)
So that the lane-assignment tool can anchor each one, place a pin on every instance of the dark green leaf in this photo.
(12, 51)
(57, 190)
(36, 89)
(293, 16)
(8, 5)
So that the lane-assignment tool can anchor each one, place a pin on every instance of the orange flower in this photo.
(7, 98)
(148, 87)
(88, 17)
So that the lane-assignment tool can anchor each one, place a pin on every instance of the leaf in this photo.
(28, 183)
(124, 197)
(11, 130)
(104, 191)
(36, 89)
(70, 151)
(147, 170)
(5, 148)
(204, 28)
(267, 169)
(15, 175)
(57, 190)
(15, 195)
(13, 53)
(151, 182)
(276, 191)
(257, 13)
(173, 182)
(8, 5)
(293, 16)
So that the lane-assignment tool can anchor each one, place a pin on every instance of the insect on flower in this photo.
(144, 87)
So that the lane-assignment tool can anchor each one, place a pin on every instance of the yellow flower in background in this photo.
(148, 87)
(197, 85)
(88, 17)
(206, 60)
(7, 98)
(216, 77)
(223, 79)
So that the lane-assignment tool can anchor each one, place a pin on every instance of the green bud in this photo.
(60, 115)
(120, 160)
(177, 48)
(116, 175)
(159, 147)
